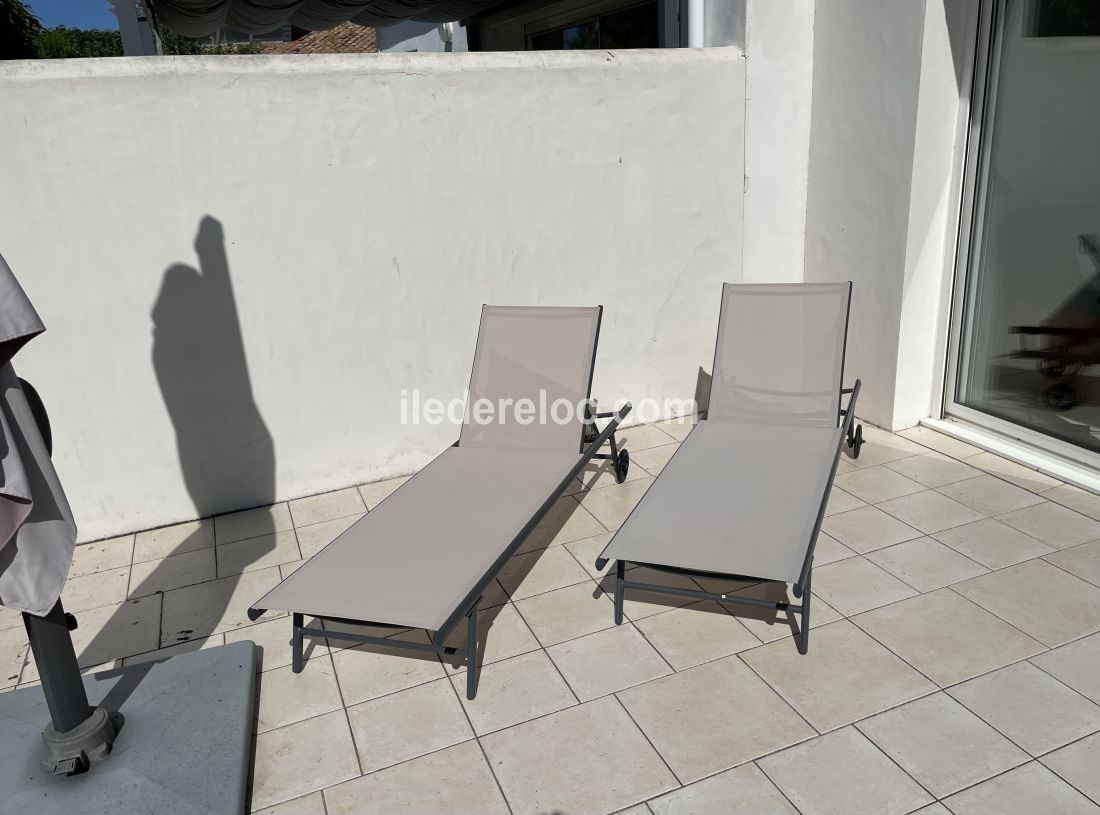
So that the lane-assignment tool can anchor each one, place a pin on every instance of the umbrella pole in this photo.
(79, 734)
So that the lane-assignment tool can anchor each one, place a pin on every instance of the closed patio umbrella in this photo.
(37, 536)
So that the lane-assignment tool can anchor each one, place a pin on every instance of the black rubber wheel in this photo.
(622, 466)
(855, 443)
(1053, 367)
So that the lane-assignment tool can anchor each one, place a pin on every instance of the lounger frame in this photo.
(851, 437)
(467, 608)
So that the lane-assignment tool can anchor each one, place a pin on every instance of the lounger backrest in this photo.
(537, 353)
(780, 352)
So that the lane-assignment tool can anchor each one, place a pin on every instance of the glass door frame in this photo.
(991, 30)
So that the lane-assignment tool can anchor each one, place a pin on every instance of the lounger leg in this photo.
(620, 571)
(804, 622)
(296, 645)
(471, 651)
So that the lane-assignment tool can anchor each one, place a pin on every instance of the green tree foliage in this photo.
(68, 43)
(19, 28)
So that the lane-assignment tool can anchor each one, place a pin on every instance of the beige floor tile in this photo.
(214, 607)
(10, 618)
(713, 717)
(251, 523)
(841, 501)
(502, 632)
(253, 554)
(513, 691)
(933, 809)
(843, 773)
(654, 459)
(743, 789)
(695, 634)
(272, 639)
(94, 590)
(1054, 525)
(841, 658)
(1032, 708)
(867, 529)
(769, 625)
(539, 776)
(611, 505)
(1087, 503)
(875, 484)
(312, 804)
(941, 744)
(113, 632)
(376, 492)
(102, 556)
(990, 495)
(302, 758)
(13, 653)
(367, 672)
(565, 614)
(286, 697)
(881, 447)
(607, 661)
(566, 521)
(946, 637)
(933, 469)
(992, 543)
(829, 550)
(538, 572)
(1042, 600)
(155, 544)
(172, 572)
(213, 641)
(30, 677)
(939, 442)
(1018, 474)
(408, 724)
(1083, 561)
(586, 550)
(925, 564)
(1027, 790)
(1077, 764)
(456, 780)
(678, 427)
(326, 506)
(642, 437)
(855, 584)
(844, 463)
(930, 511)
(1076, 665)
(315, 537)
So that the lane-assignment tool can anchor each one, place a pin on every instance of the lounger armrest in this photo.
(605, 434)
(849, 413)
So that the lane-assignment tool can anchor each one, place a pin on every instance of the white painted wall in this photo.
(370, 205)
(413, 36)
(779, 54)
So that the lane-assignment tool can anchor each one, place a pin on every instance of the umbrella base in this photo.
(183, 746)
(73, 751)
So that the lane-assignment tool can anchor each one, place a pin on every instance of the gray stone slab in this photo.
(184, 746)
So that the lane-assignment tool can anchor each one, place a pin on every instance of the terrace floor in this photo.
(954, 658)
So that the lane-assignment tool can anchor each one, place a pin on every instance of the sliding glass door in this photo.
(1027, 335)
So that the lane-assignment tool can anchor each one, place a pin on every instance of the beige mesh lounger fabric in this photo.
(745, 493)
(422, 557)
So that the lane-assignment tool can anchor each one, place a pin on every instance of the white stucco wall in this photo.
(370, 205)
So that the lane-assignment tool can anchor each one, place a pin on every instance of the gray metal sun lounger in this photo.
(744, 495)
(423, 557)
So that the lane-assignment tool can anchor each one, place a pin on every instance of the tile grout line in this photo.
(652, 746)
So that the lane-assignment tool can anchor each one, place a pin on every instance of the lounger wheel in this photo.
(1061, 397)
(855, 440)
(622, 466)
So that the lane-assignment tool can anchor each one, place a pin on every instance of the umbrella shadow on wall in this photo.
(187, 580)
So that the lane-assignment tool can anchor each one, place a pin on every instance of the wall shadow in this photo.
(226, 455)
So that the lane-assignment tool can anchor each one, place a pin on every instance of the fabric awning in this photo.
(37, 532)
(201, 18)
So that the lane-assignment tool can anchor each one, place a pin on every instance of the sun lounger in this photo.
(423, 557)
(744, 495)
